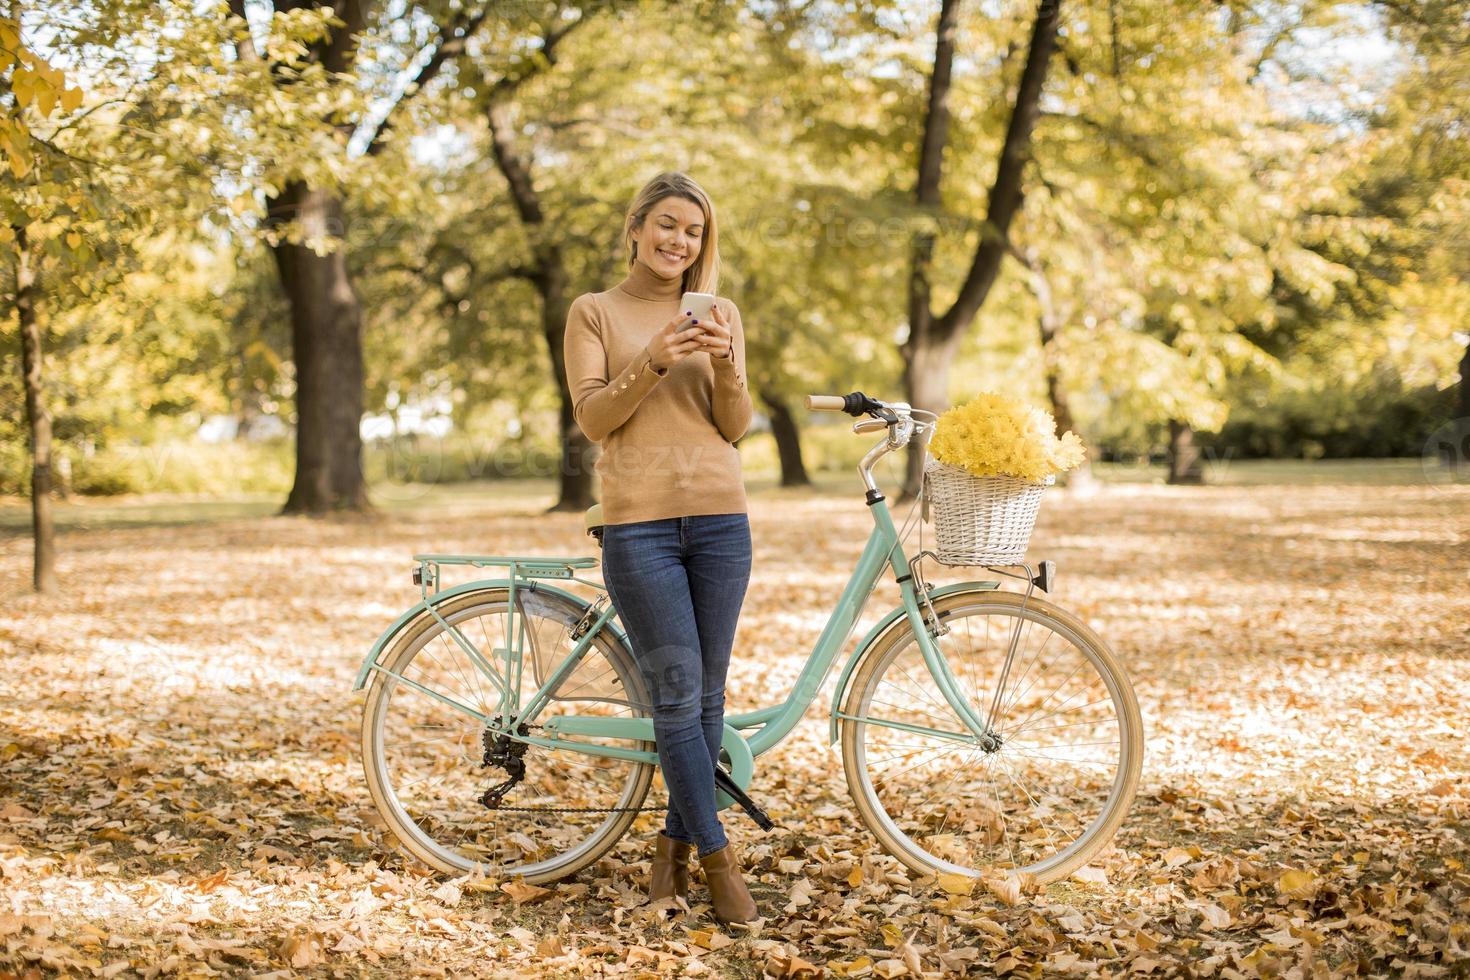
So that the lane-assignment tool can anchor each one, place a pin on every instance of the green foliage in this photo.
(36, 88)
(1216, 254)
(165, 466)
(1377, 416)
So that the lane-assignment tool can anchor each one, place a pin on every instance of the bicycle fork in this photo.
(927, 630)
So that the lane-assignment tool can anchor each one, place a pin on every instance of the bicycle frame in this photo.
(773, 723)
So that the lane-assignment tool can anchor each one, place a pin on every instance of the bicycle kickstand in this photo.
(725, 782)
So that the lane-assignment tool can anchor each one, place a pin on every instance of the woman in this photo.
(664, 394)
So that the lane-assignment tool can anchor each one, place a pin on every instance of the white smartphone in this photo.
(699, 305)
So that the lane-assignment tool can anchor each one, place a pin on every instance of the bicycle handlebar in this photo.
(855, 403)
(898, 417)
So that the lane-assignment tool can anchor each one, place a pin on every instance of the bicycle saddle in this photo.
(594, 522)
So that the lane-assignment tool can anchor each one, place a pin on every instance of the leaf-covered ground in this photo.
(181, 794)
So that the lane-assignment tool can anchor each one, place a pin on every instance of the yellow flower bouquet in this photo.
(995, 435)
(990, 459)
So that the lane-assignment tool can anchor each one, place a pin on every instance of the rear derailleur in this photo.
(507, 754)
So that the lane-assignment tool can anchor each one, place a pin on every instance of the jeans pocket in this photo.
(626, 541)
(728, 527)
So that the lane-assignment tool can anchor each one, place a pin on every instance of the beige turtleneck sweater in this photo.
(667, 437)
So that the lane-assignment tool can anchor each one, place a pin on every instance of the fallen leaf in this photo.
(302, 948)
(1091, 875)
(521, 892)
(956, 883)
(1297, 884)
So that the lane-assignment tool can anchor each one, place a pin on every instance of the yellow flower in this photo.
(996, 435)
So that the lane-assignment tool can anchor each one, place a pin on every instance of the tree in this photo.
(311, 62)
(30, 85)
(80, 184)
(933, 338)
(1432, 104)
(1173, 203)
(547, 268)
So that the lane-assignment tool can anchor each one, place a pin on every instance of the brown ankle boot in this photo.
(727, 891)
(670, 868)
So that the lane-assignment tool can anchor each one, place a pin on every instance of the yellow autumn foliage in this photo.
(997, 435)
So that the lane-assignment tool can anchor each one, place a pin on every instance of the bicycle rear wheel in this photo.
(1045, 793)
(429, 764)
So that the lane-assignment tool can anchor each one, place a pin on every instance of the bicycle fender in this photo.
(422, 606)
(878, 630)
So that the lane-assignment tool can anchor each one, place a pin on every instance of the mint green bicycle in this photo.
(507, 731)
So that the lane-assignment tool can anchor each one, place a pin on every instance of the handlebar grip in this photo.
(853, 404)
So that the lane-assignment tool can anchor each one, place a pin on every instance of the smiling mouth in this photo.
(670, 255)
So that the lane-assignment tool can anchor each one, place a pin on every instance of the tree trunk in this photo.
(326, 340)
(1183, 456)
(575, 479)
(922, 387)
(38, 420)
(1465, 386)
(1454, 450)
(926, 382)
(1049, 325)
(1079, 479)
(934, 340)
(788, 441)
(549, 275)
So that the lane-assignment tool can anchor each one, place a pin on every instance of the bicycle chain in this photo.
(578, 809)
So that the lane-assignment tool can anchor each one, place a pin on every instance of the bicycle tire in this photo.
(406, 831)
(950, 609)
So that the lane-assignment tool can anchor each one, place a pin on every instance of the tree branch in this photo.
(341, 49)
(936, 116)
(245, 44)
(1006, 192)
(516, 170)
(1137, 146)
(508, 83)
(452, 42)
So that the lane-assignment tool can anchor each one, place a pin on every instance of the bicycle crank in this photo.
(724, 781)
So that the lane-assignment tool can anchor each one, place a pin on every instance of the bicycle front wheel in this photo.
(429, 763)
(1049, 784)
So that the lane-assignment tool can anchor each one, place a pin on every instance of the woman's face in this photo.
(671, 236)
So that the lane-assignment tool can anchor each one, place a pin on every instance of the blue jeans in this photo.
(678, 584)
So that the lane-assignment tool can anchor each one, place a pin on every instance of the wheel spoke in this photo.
(1051, 714)
(1020, 693)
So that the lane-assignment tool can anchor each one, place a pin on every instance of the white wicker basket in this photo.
(980, 520)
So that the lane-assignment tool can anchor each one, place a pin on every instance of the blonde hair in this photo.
(704, 275)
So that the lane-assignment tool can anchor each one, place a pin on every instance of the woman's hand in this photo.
(671, 344)
(716, 337)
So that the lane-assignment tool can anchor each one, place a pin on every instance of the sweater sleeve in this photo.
(601, 402)
(732, 406)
